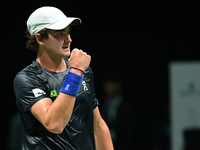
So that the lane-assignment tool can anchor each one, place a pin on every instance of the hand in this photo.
(79, 59)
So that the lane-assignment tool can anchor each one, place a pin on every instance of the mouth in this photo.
(65, 47)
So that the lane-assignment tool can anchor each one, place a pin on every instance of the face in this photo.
(58, 43)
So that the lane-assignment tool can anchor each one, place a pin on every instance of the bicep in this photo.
(101, 132)
(40, 108)
(97, 115)
(98, 120)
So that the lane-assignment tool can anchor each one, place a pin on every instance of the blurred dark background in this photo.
(130, 41)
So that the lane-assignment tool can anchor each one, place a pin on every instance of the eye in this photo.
(60, 33)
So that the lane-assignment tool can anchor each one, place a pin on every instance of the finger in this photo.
(75, 49)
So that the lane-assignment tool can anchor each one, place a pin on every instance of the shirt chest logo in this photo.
(85, 88)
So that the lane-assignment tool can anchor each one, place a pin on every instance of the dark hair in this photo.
(32, 43)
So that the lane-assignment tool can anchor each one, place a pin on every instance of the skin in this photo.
(55, 115)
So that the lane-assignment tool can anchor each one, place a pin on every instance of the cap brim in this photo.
(63, 23)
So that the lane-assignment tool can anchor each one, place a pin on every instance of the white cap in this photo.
(50, 18)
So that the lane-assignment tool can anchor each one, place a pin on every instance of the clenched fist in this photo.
(79, 59)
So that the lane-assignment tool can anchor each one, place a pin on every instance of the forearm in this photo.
(102, 137)
(59, 113)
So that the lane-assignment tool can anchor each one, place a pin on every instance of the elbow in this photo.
(55, 128)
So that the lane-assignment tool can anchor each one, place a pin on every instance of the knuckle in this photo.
(75, 50)
(89, 58)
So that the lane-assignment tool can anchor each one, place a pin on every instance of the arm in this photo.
(54, 116)
(101, 132)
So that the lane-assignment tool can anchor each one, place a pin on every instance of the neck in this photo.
(54, 64)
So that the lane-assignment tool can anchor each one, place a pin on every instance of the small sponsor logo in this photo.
(67, 87)
(38, 92)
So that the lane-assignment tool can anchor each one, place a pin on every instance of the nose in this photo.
(68, 38)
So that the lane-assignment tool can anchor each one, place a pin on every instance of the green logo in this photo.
(53, 93)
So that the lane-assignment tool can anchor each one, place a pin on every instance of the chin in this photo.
(66, 54)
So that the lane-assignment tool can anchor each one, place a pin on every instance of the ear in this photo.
(38, 39)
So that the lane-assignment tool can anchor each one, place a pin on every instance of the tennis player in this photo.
(55, 95)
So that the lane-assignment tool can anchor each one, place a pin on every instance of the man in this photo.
(55, 95)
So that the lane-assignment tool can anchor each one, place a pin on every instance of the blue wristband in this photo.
(71, 84)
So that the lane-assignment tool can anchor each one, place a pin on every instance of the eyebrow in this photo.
(65, 29)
